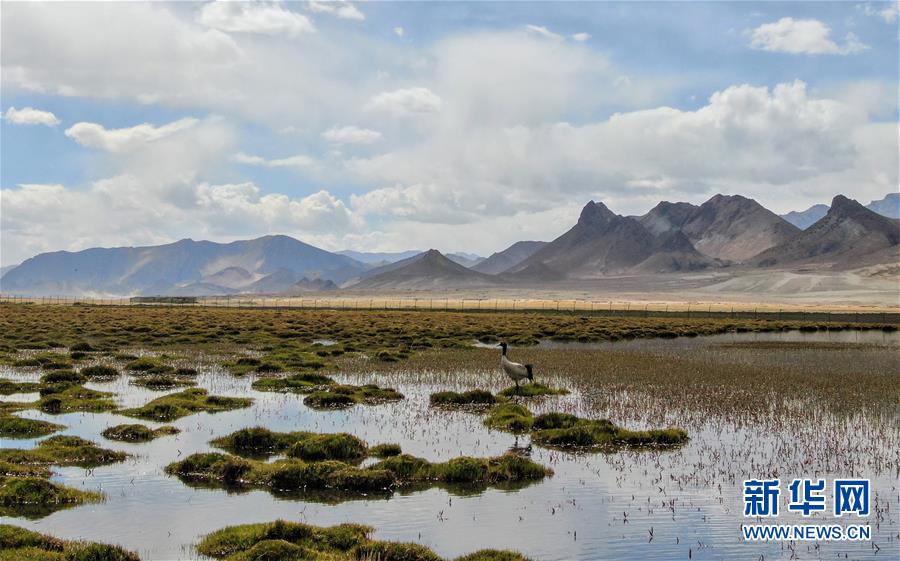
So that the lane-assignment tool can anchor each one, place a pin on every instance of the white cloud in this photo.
(802, 36)
(887, 11)
(254, 17)
(581, 37)
(339, 8)
(398, 31)
(409, 101)
(93, 135)
(351, 135)
(543, 32)
(30, 116)
(746, 139)
(299, 161)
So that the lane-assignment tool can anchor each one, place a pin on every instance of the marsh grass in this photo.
(9, 387)
(68, 398)
(472, 398)
(320, 471)
(162, 382)
(19, 544)
(137, 433)
(63, 450)
(567, 431)
(36, 497)
(532, 390)
(12, 426)
(345, 395)
(99, 372)
(293, 541)
(177, 405)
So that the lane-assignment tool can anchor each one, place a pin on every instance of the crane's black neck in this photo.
(503, 347)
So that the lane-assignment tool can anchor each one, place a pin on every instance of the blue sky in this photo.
(461, 126)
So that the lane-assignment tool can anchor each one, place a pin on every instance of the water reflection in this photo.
(653, 505)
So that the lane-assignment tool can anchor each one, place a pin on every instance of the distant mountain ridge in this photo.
(209, 267)
(428, 270)
(510, 257)
(889, 206)
(673, 237)
(848, 236)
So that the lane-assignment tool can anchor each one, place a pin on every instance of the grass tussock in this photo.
(532, 390)
(12, 426)
(471, 398)
(342, 396)
(177, 405)
(162, 382)
(326, 462)
(565, 431)
(258, 442)
(9, 387)
(19, 544)
(63, 450)
(70, 398)
(36, 497)
(305, 382)
(386, 450)
(137, 433)
(99, 372)
(295, 541)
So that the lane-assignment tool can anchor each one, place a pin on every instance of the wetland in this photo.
(395, 435)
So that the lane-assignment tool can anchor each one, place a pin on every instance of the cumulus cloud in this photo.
(93, 135)
(802, 36)
(30, 116)
(398, 31)
(351, 135)
(300, 161)
(748, 139)
(254, 17)
(339, 8)
(409, 101)
(581, 37)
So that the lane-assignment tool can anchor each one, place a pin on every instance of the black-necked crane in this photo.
(515, 370)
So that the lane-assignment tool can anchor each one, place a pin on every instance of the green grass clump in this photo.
(325, 462)
(58, 376)
(255, 442)
(137, 433)
(19, 544)
(162, 382)
(9, 387)
(148, 365)
(493, 555)
(562, 430)
(295, 541)
(8, 469)
(472, 398)
(395, 551)
(342, 446)
(63, 450)
(385, 450)
(177, 405)
(341, 396)
(532, 390)
(510, 417)
(35, 496)
(304, 382)
(19, 427)
(334, 543)
(69, 398)
(99, 371)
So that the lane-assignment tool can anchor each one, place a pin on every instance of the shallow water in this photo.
(596, 506)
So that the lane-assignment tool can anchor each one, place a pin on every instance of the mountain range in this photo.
(728, 233)
(888, 206)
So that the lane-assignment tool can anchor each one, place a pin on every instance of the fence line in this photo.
(579, 307)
